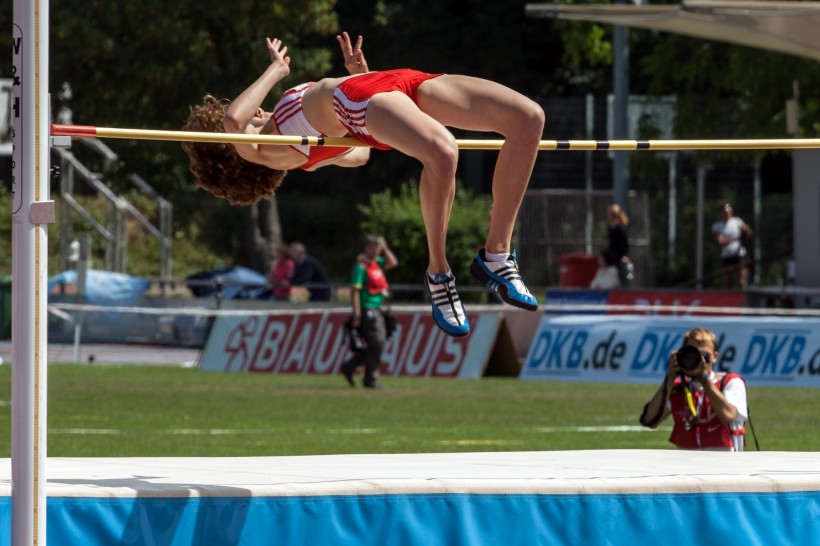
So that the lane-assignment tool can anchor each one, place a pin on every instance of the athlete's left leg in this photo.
(482, 105)
(392, 118)
(477, 104)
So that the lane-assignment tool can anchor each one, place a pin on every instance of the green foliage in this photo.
(190, 245)
(727, 91)
(328, 227)
(585, 44)
(398, 218)
(141, 64)
(495, 40)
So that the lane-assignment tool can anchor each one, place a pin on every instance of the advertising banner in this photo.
(315, 343)
(766, 351)
(560, 302)
(683, 302)
(651, 302)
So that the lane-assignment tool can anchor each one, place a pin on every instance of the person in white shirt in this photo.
(729, 232)
(608, 275)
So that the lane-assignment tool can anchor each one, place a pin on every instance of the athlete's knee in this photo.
(442, 154)
(532, 118)
(525, 121)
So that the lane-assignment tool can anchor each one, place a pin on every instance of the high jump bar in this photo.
(88, 131)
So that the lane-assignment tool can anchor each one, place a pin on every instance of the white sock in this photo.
(495, 257)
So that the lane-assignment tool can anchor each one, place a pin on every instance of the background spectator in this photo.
(617, 225)
(369, 288)
(310, 273)
(607, 276)
(281, 273)
(729, 232)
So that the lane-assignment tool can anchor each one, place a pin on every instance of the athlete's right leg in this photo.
(394, 119)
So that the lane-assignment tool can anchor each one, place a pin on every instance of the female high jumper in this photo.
(402, 109)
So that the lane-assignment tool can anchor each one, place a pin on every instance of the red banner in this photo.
(661, 302)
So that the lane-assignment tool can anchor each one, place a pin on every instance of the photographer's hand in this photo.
(655, 410)
(672, 369)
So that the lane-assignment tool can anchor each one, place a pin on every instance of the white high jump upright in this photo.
(32, 211)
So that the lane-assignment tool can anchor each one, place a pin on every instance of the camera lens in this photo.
(688, 358)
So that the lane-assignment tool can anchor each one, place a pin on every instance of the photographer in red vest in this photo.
(368, 289)
(709, 409)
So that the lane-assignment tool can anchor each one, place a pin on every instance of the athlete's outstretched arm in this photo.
(353, 54)
(242, 110)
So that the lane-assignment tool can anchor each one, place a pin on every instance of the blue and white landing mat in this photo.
(612, 497)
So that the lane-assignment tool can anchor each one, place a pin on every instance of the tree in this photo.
(730, 91)
(140, 64)
(398, 218)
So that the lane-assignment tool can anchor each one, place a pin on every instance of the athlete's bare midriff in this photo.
(317, 105)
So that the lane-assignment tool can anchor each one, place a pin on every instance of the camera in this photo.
(689, 358)
(353, 337)
(356, 341)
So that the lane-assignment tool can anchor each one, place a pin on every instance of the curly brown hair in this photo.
(217, 167)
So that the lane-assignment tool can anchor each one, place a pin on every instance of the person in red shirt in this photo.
(281, 273)
(708, 408)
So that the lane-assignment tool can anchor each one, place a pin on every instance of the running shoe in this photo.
(448, 312)
(504, 279)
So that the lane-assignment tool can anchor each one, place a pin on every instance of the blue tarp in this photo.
(103, 287)
(237, 283)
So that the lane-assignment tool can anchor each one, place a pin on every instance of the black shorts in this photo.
(731, 260)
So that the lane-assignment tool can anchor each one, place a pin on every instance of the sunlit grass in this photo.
(138, 411)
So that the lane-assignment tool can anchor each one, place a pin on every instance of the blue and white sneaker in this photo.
(504, 279)
(448, 312)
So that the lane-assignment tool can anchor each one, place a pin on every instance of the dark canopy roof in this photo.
(786, 27)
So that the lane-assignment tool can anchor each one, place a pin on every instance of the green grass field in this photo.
(163, 411)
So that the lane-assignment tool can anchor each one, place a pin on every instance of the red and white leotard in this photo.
(350, 100)
(351, 97)
(290, 120)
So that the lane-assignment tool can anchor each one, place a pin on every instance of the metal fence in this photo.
(553, 223)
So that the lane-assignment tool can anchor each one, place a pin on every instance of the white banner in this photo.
(766, 351)
(314, 343)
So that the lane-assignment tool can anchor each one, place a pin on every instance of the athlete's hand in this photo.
(353, 55)
(278, 55)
